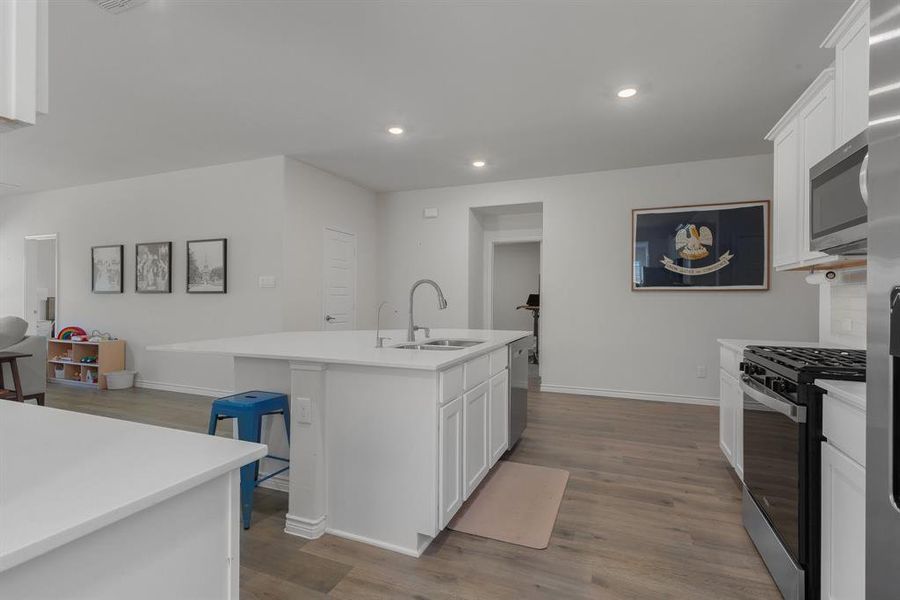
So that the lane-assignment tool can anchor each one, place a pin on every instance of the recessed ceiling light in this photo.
(627, 92)
(478, 164)
(395, 130)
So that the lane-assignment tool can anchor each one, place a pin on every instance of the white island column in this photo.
(308, 501)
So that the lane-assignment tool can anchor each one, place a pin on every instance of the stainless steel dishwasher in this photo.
(518, 388)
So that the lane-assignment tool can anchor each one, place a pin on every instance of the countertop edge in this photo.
(839, 392)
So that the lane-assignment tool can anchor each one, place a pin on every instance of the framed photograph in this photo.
(207, 266)
(704, 247)
(153, 268)
(106, 269)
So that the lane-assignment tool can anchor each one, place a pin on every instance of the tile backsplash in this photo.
(842, 306)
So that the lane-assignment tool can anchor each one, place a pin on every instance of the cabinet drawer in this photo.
(478, 370)
(499, 360)
(845, 428)
(452, 383)
(730, 361)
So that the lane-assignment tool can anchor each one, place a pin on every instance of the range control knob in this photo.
(779, 386)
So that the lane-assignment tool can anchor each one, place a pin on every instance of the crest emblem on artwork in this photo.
(691, 243)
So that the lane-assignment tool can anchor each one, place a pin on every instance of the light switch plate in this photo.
(701, 371)
(267, 281)
(304, 409)
(430, 213)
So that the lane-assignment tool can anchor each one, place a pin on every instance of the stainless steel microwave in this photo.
(838, 198)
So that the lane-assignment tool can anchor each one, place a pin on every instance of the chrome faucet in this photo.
(442, 304)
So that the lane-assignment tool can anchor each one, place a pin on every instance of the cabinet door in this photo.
(817, 142)
(499, 416)
(450, 459)
(737, 410)
(851, 78)
(475, 437)
(726, 417)
(843, 526)
(786, 199)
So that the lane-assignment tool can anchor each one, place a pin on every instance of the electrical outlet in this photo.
(847, 325)
(701, 371)
(304, 410)
(267, 281)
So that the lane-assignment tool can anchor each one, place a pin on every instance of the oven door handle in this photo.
(768, 398)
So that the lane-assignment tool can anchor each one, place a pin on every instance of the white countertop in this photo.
(852, 392)
(64, 474)
(739, 345)
(351, 347)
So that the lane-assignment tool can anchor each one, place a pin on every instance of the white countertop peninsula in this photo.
(83, 496)
(377, 434)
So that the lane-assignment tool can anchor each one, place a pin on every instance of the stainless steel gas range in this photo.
(782, 459)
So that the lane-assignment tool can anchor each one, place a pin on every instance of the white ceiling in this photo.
(528, 86)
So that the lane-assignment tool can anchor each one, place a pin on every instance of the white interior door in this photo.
(40, 283)
(339, 285)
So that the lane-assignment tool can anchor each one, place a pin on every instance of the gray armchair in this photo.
(32, 370)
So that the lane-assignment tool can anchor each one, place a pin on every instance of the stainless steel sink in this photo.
(426, 347)
(455, 343)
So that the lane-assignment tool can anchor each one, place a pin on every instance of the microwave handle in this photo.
(864, 179)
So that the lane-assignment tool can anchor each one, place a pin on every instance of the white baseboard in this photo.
(279, 483)
(629, 395)
(182, 389)
(415, 553)
(306, 528)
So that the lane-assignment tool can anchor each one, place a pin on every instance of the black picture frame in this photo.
(117, 253)
(204, 278)
(138, 264)
(702, 247)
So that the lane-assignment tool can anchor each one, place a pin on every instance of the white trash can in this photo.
(120, 380)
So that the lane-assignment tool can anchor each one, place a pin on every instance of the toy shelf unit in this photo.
(84, 363)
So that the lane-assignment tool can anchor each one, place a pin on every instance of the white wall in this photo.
(316, 200)
(599, 336)
(269, 209)
(517, 268)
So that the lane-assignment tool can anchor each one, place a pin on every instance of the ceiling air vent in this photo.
(117, 6)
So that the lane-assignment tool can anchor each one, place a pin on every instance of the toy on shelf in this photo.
(69, 333)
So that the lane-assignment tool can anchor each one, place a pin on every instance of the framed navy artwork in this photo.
(704, 247)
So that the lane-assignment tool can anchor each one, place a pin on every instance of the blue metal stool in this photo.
(249, 408)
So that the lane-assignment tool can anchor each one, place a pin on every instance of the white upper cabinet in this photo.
(785, 205)
(816, 122)
(850, 40)
(832, 110)
(23, 62)
(803, 137)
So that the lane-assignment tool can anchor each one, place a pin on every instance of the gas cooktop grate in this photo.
(813, 359)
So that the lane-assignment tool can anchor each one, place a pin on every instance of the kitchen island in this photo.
(386, 443)
(99, 508)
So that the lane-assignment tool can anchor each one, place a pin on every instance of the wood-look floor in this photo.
(650, 512)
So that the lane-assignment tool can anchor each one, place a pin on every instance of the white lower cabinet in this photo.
(473, 430)
(726, 417)
(475, 436)
(451, 472)
(499, 416)
(731, 410)
(843, 526)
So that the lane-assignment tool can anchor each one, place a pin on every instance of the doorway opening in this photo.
(516, 289)
(41, 284)
(505, 266)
